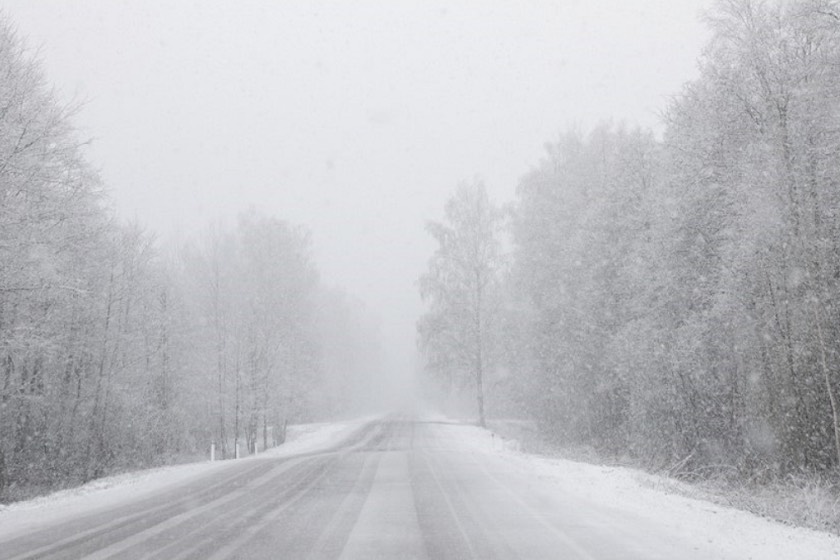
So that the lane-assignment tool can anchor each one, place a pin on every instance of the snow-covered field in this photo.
(734, 533)
(114, 490)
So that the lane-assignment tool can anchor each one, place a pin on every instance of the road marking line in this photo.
(387, 524)
(450, 506)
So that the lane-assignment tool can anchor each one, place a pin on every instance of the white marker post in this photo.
(212, 451)
(237, 450)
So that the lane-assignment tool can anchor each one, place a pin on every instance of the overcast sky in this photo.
(354, 118)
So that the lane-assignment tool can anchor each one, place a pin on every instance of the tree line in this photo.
(675, 300)
(119, 352)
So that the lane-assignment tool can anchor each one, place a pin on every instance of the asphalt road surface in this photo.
(395, 489)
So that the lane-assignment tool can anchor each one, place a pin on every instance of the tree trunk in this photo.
(479, 357)
(832, 399)
(480, 392)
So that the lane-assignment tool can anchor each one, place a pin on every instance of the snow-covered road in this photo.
(394, 488)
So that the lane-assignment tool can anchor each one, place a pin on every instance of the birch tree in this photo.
(461, 289)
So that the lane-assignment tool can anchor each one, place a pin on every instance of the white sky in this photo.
(355, 118)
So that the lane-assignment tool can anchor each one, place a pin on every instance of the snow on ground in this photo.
(115, 490)
(736, 534)
(302, 438)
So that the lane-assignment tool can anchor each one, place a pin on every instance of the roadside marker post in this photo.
(212, 451)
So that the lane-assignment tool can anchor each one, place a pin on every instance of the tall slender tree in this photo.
(461, 289)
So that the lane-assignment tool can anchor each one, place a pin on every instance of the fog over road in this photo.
(396, 488)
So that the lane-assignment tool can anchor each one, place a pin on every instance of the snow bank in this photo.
(115, 490)
(729, 532)
(303, 438)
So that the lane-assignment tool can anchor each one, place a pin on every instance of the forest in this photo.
(119, 351)
(667, 298)
(671, 300)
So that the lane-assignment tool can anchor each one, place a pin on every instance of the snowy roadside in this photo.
(115, 490)
(734, 533)
(303, 438)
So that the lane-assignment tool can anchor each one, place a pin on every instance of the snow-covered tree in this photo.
(461, 287)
